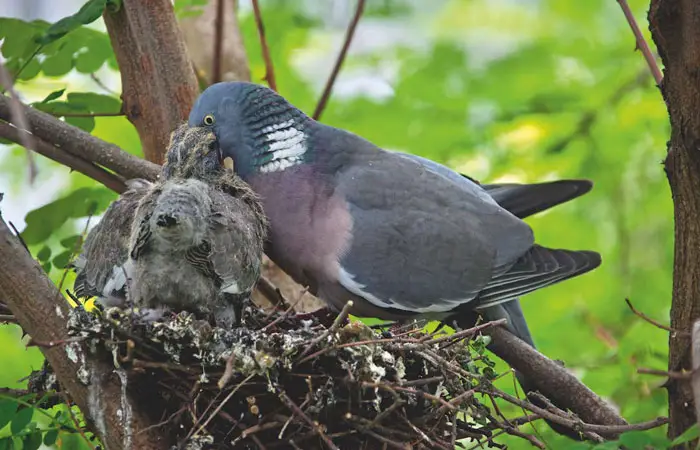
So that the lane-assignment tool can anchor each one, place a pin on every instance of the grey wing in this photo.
(99, 267)
(420, 242)
(236, 243)
(524, 200)
(521, 200)
(140, 237)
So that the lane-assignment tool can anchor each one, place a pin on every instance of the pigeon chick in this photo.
(101, 268)
(193, 247)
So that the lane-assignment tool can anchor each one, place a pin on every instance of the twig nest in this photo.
(297, 381)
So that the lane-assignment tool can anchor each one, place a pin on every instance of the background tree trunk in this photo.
(675, 28)
(159, 86)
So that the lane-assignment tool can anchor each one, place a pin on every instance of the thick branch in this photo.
(158, 83)
(112, 181)
(675, 28)
(42, 312)
(81, 144)
(552, 380)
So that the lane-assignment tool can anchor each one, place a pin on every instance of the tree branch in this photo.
(112, 181)
(159, 86)
(81, 144)
(269, 68)
(42, 311)
(339, 61)
(641, 42)
(674, 28)
(18, 118)
(552, 380)
(218, 42)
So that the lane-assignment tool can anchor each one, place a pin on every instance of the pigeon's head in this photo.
(180, 216)
(255, 126)
(192, 153)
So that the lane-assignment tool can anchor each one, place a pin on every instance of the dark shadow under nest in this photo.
(302, 381)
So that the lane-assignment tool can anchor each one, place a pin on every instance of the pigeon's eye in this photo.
(208, 120)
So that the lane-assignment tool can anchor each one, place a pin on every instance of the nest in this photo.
(291, 381)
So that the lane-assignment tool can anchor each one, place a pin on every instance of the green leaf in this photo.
(59, 64)
(93, 102)
(30, 70)
(84, 123)
(82, 202)
(32, 441)
(44, 254)
(71, 242)
(61, 260)
(8, 408)
(688, 435)
(46, 266)
(6, 443)
(50, 437)
(21, 420)
(53, 96)
(635, 440)
(90, 11)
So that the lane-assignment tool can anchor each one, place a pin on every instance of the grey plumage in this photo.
(100, 269)
(193, 247)
(400, 235)
(193, 240)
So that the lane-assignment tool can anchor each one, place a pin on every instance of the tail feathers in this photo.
(538, 268)
(524, 200)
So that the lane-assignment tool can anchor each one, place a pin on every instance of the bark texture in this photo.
(158, 82)
(94, 385)
(675, 28)
(200, 37)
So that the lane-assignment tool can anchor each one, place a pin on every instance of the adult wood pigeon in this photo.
(400, 235)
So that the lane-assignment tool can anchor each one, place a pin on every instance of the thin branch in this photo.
(336, 324)
(269, 68)
(539, 373)
(272, 293)
(604, 430)
(90, 114)
(314, 426)
(80, 144)
(110, 180)
(641, 42)
(101, 84)
(666, 373)
(652, 321)
(218, 42)
(339, 61)
(26, 63)
(18, 118)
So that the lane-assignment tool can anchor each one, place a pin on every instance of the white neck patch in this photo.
(287, 145)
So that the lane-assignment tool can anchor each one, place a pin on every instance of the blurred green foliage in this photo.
(501, 90)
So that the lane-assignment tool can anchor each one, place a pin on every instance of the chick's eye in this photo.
(208, 120)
